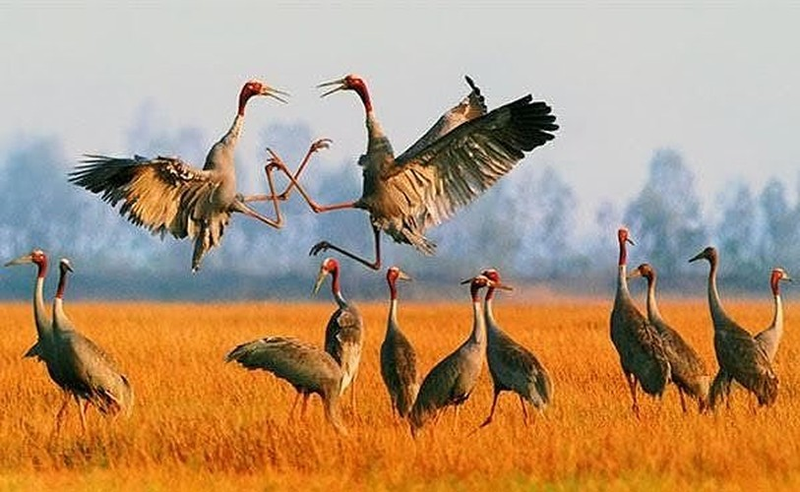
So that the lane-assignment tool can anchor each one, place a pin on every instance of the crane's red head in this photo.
(624, 237)
(392, 275)
(494, 282)
(778, 274)
(257, 88)
(350, 82)
(64, 267)
(328, 266)
(37, 257)
(480, 281)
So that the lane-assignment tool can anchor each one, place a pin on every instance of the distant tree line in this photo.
(525, 226)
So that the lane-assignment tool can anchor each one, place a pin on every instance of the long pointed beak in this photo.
(401, 275)
(634, 273)
(275, 94)
(788, 278)
(696, 257)
(629, 240)
(466, 281)
(320, 278)
(340, 86)
(22, 260)
(499, 285)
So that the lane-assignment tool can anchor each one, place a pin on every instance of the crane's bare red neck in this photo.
(775, 282)
(360, 88)
(334, 272)
(475, 290)
(41, 262)
(391, 279)
(623, 252)
(490, 293)
(62, 284)
(244, 96)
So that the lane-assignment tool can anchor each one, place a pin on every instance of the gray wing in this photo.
(688, 369)
(515, 368)
(641, 350)
(457, 168)
(399, 370)
(344, 328)
(469, 108)
(94, 374)
(745, 361)
(163, 195)
(303, 365)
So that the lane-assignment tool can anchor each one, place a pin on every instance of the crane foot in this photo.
(319, 248)
(322, 143)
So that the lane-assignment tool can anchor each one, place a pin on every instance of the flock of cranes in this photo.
(465, 152)
(653, 354)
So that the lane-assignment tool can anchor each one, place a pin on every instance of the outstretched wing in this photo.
(458, 167)
(162, 195)
(471, 107)
(303, 365)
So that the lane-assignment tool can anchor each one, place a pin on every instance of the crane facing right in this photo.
(464, 154)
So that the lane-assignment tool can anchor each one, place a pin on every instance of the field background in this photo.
(199, 423)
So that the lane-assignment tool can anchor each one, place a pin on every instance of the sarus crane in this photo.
(44, 348)
(770, 337)
(512, 366)
(308, 368)
(89, 373)
(689, 372)
(466, 151)
(640, 348)
(398, 357)
(451, 381)
(344, 333)
(740, 357)
(167, 195)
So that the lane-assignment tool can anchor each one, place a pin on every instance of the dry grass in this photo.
(202, 424)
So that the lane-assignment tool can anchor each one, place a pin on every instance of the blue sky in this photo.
(718, 82)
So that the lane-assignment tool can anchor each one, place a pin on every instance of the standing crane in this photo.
(398, 358)
(44, 347)
(457, 160)
(740, 357)
(689, 372)
(89, 374)
(344, 334)
(770, 337)
(512, 366)
(167, 195)
(452, 380)
(641, 350)
(306, 367)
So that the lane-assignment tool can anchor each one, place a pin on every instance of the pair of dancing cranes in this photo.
(465, 152)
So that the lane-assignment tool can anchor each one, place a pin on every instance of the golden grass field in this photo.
(201, 424)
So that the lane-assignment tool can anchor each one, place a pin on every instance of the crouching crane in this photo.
(306, 367)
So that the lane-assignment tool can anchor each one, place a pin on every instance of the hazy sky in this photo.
(718, 82)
